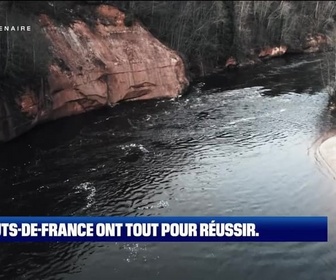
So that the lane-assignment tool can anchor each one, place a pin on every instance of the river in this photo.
(236, 144)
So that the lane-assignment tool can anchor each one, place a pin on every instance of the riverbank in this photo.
(101, 59)
(326, 155)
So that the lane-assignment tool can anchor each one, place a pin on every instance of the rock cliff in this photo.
(95, 65)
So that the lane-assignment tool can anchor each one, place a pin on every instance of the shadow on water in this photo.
(42, 173)
(281, 75)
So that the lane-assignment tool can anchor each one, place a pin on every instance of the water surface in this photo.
(237, 144)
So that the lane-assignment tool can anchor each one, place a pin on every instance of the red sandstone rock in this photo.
(98, 66)
(231, 62)
(315, 43)
(272, 51)
(29, 103)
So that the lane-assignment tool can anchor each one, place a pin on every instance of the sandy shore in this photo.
(326, 154)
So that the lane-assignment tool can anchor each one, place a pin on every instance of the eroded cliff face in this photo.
(95, 66)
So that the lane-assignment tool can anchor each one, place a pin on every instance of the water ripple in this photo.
(237, 147)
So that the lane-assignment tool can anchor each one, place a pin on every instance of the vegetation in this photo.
(205, 33)
(25, 56)
(328, 70)
(328, 73)
(208, 32)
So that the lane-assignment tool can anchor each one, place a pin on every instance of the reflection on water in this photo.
(237, 144)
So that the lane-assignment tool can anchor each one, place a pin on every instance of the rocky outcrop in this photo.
(256, 56)
(231, 62)
(269, 52)
(316, 43)
(95, 66)
(311, 44)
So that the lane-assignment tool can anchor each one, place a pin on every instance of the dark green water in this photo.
(235, 145)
